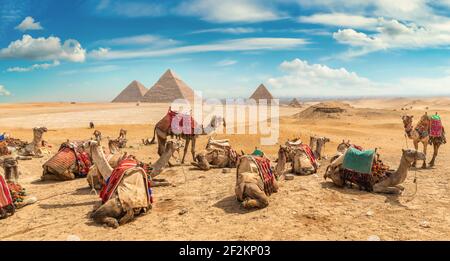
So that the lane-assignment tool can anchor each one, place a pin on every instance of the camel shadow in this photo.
(232, 206)
(67, 205)
(84, 191)
(392, 199)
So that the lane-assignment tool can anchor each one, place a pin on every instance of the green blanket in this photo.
(359, 161)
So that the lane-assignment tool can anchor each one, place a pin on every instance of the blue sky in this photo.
(89, 50)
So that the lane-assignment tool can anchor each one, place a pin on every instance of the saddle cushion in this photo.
(5, 194)
(435, 126)
(61, 161)
(358, 161)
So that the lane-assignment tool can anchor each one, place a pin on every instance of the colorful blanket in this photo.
(307, 149)
(358, 161)
(116, 178)
(178, 123)
(436, 126)
(265, 173)
(17, 192)
(82, 158)
(5, 194)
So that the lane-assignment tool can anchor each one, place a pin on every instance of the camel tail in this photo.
(154, 135)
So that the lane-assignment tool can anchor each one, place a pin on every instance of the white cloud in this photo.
(226, 11)
(243, 44)
(4, 91)
(44, 49)
(226, 62)
(302, 78)
(42, 66)
(29, 24)
(94, 69)
(229, 30)
(340, 20)
(144, 39)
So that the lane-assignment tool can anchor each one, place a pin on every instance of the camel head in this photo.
(122, 133)
(174, 146)
(215, 123)
(283, 152)
(97, 135)
(39, 131)
(411, 155)
(10, 167)
(407, 121)
(343, 146)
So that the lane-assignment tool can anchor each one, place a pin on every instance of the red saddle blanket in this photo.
(114, 180)
(436, 128)
(178, 123)
(265, 172)
(5, 194)
(310, 154)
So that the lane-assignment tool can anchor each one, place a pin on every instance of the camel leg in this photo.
(425, 145)
(159, 183)
(384, 188)
(335, 176)
(129, 215)
(161, 145)
(193, 147)
(256, 198)
(435, 153)
(416, 147)
(186, 145)
(108, 213)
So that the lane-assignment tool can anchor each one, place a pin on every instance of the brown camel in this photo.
(420, 134)
(317, 144)
(218, 154)
(391, 181)
(163, 129)
(114, 212)
(97, 135)
(250, 188)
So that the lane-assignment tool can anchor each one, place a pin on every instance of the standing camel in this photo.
(164, 128)
(420, 134)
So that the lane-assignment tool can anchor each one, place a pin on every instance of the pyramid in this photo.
(169, 88)
(261, 93)
(132, 93)
(295, 103)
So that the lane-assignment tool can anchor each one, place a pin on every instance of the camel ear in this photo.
(403, 150)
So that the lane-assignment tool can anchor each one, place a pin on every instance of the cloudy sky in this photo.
(89, 50)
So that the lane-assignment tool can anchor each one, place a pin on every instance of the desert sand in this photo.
(306, 208)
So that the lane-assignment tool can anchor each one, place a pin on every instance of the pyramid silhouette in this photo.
(261, 93)
(134, 92)
(295, 103)
(169, 88)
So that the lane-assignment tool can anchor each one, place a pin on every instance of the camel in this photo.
(91, 125)
(163, 129)
(113, 212)
(420, 134)
(317, 144)
(342, 148)
(218, 154)
(34, 148)
(97, 135)
(71, 161)
(250, 189)
(19, 196)
(389, 183)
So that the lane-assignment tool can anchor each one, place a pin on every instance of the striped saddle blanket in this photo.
(5, 194)
(265, 173)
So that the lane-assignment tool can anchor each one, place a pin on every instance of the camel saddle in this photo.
(175, 123)
(68, 155)
(358, 161)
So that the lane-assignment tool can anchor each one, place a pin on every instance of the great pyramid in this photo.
(295, 103)
(169, 88)
(261, 93)
(134, 92)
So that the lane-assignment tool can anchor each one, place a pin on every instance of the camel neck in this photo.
(402, 170)
(161, 163)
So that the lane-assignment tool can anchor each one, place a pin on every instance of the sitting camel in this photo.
(342, 148)
(255, 181)
(118, 208)
(34, 148)
(17, 193)
(388, 183)
(71, 161)
(317, 144)
(218, 154)
(303, 158)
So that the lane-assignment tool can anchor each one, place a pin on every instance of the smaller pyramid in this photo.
(134, 92)
(261, 93)
(295, 103)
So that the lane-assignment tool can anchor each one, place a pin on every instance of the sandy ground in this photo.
(306, 208)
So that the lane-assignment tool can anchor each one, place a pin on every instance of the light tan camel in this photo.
(34, 148)
(114, 212)
(163, 129)
(218, 154)
(419, 134)
(250, 189)
(317, 145)
(392, 179)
